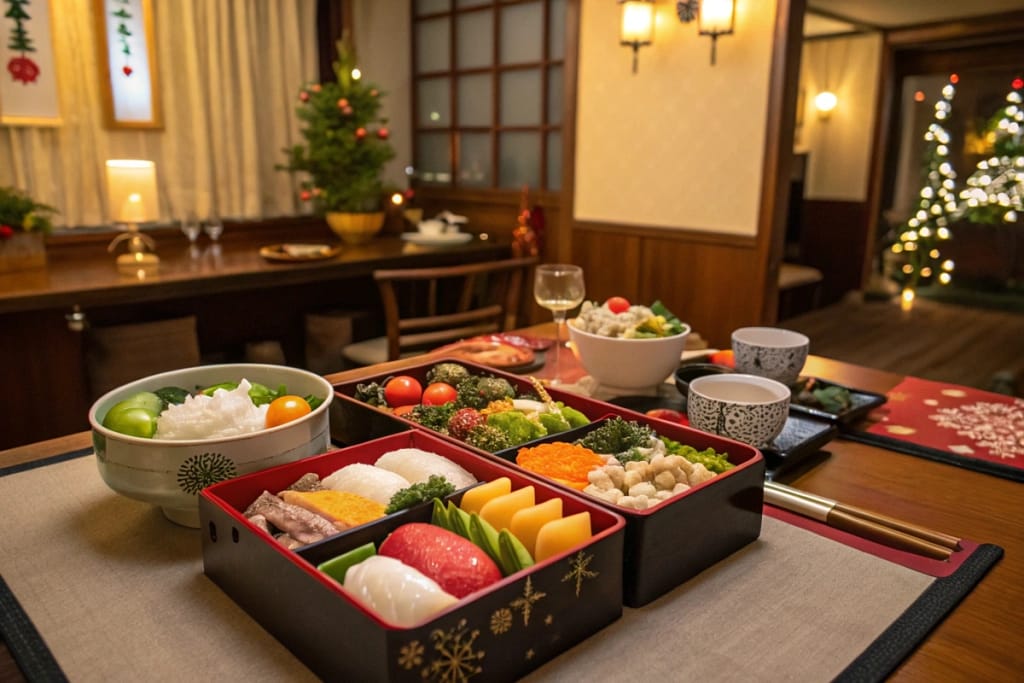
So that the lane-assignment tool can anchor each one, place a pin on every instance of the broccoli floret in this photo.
(433, 417)
(476, 391)
(618, 436)
(434, 487)
(449, 373)
(709, 457)
(371, 393)
(487, 438)
(516, 426)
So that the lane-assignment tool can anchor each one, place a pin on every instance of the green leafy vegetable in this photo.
(172, 395)
(618, 436)
(434, 487)
(834, 399)
(516, 426)
(371, 393)
(432, 417)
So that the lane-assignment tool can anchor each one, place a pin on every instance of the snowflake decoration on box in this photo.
(999, 427)
(456, 660)
(579, 570)
(204, 469)
(411, 655)
(528, 599)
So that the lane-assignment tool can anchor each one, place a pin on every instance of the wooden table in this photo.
(983, 639)
(236, 296)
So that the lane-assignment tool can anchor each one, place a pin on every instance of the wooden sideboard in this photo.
(236, 295)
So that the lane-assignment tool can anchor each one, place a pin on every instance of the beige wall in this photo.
(383, 47)
(679, 144)
(839, 148)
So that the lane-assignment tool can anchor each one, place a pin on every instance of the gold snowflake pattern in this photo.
(900, 430)
(549, 619)
(501, 621)
(999, 427)
(411, 655)
(898, 396)
(530, 654)
(578, 570)
(526, 602)
(456, 660)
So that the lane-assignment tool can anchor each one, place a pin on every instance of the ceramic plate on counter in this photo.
(490, 353)
(442, 240)
(299, 252)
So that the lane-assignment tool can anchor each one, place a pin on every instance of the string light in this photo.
(994, 191)
(936, 206)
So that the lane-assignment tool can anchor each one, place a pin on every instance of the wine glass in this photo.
(191, 226)
(559, 288)
(213, 227)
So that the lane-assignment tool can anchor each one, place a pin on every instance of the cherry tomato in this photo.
(667, 414)
(617, 304)
(723, 358)
(402, 391)
(438, 393)
(285, 409)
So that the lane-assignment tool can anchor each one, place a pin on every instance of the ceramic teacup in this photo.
(747, 408)
(770, 352)
(432, 227)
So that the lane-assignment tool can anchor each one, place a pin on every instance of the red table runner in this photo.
(967, 427)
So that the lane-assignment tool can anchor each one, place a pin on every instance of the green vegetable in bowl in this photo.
(135, 415)
(172, 395)
(713, 460)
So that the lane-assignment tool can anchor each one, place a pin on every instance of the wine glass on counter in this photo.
(191, 226)
(559, 288)
(214, 227)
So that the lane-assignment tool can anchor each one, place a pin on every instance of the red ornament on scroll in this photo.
(524, 239)
(127, 70)
(23, 69)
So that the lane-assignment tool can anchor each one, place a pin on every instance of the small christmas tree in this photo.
(929, 226)
(346, 141)
(994, 192)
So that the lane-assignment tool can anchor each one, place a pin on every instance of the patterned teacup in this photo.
(770, 352)
(747, 408)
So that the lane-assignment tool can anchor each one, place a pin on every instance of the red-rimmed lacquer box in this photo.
(664, 546)
(499, 633)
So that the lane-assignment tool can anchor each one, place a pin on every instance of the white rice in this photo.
(368, 481)
(417, 465)
(226, 413)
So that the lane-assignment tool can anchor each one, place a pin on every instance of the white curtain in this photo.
(229, 72)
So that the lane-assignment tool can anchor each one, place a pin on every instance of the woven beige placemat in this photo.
(118, 594)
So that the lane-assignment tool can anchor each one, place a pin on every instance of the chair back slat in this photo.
(428, 307)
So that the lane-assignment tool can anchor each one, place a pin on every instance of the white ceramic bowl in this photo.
(170, 473)
(628, 364)
(747, 408)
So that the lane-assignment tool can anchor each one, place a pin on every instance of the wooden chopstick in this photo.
(866, 524)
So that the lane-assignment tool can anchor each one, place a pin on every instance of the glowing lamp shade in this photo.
(825, 102)
(637, 26)
(716, 18)
(131, 191)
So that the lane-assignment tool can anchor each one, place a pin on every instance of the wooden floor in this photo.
(974, 347)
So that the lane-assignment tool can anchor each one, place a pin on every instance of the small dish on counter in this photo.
(438, 240)
(299, 252)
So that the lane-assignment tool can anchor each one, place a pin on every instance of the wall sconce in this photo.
(131, 193)
(716, 18)
(825, 102)
(637, 25)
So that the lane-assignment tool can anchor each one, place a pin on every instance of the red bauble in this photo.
(304, 96)
(360, 133)
(383, 133)
(305, 195)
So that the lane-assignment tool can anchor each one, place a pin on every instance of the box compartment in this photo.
(500, 633)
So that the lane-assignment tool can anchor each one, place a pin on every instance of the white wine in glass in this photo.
(559, 288)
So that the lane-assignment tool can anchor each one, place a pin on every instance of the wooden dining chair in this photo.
(429, 307)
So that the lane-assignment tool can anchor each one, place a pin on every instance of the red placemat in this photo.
(966, 427)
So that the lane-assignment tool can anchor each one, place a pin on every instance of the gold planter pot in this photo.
(355, 228)
(22, 251)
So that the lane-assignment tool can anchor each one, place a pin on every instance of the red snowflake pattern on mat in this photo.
(998, 427)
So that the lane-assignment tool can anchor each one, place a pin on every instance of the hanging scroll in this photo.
(128, 63)
(28, 79)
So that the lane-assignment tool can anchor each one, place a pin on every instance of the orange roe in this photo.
(562, 462)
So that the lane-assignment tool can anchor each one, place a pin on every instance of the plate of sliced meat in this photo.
(490, 353)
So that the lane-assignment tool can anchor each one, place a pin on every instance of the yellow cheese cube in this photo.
(562, 534)
(526, 523)
(475, 498)
(498, 511)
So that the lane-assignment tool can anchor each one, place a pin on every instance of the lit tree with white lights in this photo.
(994, 191)
(929, 226)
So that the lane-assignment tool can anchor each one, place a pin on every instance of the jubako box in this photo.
(498, 633)
(665, 545)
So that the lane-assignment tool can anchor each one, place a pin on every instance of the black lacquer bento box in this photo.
(665, 545)
(499, 633)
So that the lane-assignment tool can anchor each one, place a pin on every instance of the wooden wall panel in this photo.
(699, 277)
(833, 239)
